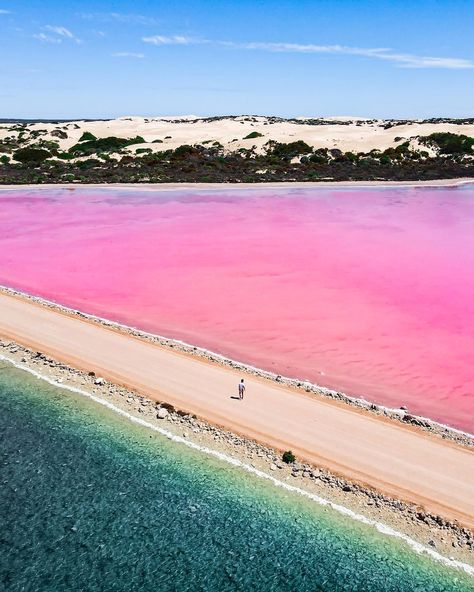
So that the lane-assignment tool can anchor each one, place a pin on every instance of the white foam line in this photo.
(379, 526)
(241, 365)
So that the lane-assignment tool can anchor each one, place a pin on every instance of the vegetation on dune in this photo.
(290, 150)
(104, 160)
(109, 144)
(253, 135)
(448, 143)
(31, 155)
(87, 137)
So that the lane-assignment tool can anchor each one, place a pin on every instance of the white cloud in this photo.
(128, 54)
(47, 38)
(120, 17)
(56, 34)
(402, 60)
(3, 11)
(173, 40)
(61, 31)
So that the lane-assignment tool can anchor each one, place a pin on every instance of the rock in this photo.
(403, 408)
(99, 381)
(273, 467)
(431, 543)
(162, 413)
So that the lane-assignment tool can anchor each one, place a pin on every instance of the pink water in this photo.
(369, 291)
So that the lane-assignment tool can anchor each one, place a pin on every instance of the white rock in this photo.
(99, 381)
(273, 467)
(162, 413)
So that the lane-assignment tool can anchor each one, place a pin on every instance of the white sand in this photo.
(358, 136)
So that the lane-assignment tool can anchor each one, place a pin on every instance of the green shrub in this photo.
(185, 151)
(291, 149)
(253, 135)
(110, 144)
(87, 137)
(288, 457)
(320, 156)
(31, 155)
(143, 151)
(4, 159)
(65, 156)
(449, 143)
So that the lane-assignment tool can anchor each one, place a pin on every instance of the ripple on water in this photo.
(92, 502)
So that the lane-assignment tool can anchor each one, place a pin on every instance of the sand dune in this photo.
(397, 459)
(346, 134)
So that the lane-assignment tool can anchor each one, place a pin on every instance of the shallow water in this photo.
(370, 291)
(91, 502)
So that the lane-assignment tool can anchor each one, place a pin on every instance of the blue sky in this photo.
(374, 58)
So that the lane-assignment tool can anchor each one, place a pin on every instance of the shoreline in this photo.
(424, 533)
(406, 462)
(264, 185)
(400, 415)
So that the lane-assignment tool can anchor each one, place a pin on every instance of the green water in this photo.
(90, 501)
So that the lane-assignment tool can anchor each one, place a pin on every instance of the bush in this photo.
(288, 457)
(31, 155)
(110, 144)
(449, 143)
(4, 159)
(87, 137)
(253, 135)
(320, 156)
(288, 151)
(186, 151)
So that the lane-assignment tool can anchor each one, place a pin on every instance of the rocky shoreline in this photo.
(446, 537)
(401, 415)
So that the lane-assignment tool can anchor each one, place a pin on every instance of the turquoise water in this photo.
(90, 501)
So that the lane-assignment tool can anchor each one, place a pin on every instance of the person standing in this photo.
(241, 389)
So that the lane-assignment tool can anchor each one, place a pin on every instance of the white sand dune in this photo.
(346, 134)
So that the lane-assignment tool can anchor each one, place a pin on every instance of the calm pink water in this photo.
(367, 291)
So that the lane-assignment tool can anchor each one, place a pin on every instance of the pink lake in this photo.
(369, 291)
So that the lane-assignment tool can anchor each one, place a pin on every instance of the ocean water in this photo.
(369, 291)
(90, 501)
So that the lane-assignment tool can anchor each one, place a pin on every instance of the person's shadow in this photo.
(235, 397)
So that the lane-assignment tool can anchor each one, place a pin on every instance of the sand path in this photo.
(397, 459)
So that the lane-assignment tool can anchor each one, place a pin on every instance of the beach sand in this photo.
(402, 461)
